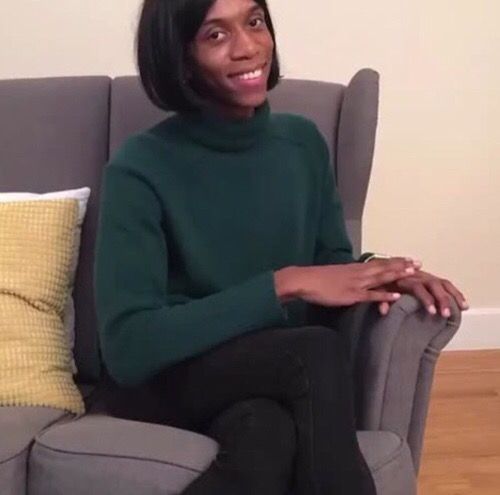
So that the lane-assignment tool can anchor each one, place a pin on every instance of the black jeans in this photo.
(280, 403)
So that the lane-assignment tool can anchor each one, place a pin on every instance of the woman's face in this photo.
(232, 55)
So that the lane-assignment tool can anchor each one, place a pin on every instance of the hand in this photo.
(347, 284)
(430, 290)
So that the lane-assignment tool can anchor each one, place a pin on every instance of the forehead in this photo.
(230, 8)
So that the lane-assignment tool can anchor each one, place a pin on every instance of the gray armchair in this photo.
(58, 133)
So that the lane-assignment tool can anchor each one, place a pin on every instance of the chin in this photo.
(251, 101)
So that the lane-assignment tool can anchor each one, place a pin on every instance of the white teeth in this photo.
(251, 75)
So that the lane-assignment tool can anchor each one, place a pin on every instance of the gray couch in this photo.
(57, 133)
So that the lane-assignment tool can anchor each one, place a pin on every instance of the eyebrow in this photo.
(217, 20)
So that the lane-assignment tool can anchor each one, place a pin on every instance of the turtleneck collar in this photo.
(224, 133)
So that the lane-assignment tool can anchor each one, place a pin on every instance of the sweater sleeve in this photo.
(333, 245)
(142, 326)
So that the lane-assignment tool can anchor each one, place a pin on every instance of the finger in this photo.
(386, 277)
(416, 262)
(442, 297)
(379, 296)
(410, 260)
(398, 259)
(384, 307)
(421, 293)
(459, 297)
(382, 265)
(380, 268)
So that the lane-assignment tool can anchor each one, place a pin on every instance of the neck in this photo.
(229, 112)
(226, 132)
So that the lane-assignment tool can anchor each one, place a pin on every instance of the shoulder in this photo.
(145, 150)
(298, 130)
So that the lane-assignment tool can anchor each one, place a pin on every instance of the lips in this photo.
(252, 73)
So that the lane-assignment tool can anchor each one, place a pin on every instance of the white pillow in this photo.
(82, 195)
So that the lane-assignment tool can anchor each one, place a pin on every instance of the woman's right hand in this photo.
(347, 284)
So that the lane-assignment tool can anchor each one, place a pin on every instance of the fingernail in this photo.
(410, 269)
(446, 312)
(465, 304)
(432, 309)
(417, 263)
(396, 295)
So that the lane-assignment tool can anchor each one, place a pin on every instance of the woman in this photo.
(219, 227)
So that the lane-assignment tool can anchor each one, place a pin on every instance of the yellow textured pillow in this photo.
(36, 246)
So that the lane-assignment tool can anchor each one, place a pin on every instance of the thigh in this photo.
(260, 364)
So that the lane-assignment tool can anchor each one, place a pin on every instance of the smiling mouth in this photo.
(249, 75)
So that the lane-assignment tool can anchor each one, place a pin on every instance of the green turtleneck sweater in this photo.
(196, 213)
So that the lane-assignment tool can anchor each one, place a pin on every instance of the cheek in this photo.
(210, 64)
(267, 42)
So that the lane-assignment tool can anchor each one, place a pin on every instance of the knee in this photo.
(275, 420)
(310, 344)
(314, 351)
(322, 333)
(268, 423)
(257, 446)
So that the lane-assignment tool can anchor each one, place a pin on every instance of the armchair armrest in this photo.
(394, 358)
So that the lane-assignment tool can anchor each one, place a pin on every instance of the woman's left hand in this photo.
(431, 290)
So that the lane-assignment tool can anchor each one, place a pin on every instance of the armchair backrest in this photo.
(58, 133)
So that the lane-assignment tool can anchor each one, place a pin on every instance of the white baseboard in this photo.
(480, 329)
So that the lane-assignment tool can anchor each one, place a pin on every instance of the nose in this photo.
(244, 45)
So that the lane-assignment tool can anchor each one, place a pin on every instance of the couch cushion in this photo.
(18, 427)
(390, 462)
(102, 455)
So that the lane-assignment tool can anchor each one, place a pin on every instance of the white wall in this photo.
(436, 179)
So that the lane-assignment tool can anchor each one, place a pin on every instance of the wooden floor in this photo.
(462, 445)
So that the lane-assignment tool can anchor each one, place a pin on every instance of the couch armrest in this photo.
(395, 357)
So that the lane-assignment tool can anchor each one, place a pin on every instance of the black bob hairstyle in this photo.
(166, 27)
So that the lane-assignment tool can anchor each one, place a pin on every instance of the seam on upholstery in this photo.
(389, 363)
(334, 159)
(17, 454)
(30, 443)
(396, 454)
(64, 418)
(430, 349)
(115, 456)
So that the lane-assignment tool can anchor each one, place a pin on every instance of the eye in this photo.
(256, 22)
(216, 36)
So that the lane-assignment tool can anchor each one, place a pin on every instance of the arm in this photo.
(142, 326)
